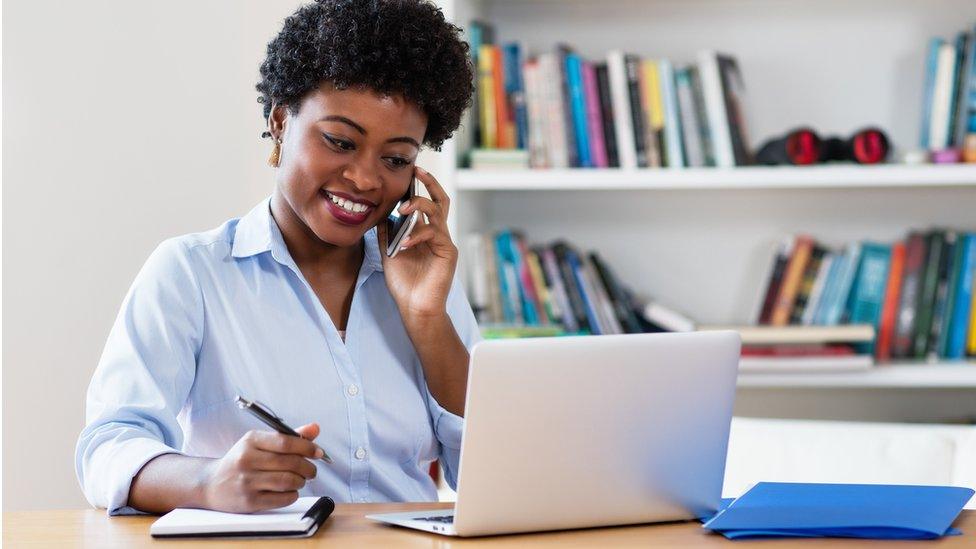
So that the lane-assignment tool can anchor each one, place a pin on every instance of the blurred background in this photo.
(126, 123)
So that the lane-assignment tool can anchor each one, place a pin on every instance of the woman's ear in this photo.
(277, 121)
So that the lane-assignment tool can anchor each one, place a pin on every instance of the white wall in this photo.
(124, 123)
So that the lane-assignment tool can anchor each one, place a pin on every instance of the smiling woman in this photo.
(293, 304)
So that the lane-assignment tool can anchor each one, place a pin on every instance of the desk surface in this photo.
(347, 527)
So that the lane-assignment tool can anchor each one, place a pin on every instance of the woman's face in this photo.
(347, 156)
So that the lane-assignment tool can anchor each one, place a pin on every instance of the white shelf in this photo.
(749, 177)
(944, 375)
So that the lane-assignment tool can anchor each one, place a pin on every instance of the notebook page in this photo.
(283, 519)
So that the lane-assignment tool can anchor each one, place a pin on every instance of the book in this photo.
(558, 289)
(479, 33)
(620, 99)
(928, 287)
(504, 125)
(715, 109)
(498, 159)
(827, 293)
(955, 266)
(487, 101)
(607, 115)
(535, 108)
(704, 131)
(931, 69)
(562, 251)
(605, 309)
(632, 66)
(774, 278)
(556, 129)
(816, 292)
(935, 346)
(966, 108)
(807, 281)
(800, 364)
(842, 289)
(577, 100)
(868, 289)
(298, 520)
(594, 117)
(889, 308)
(690, 135)
(562, 52)
(621, 306)
(515, 91)
(942, 98)
(962, 299)
(902, 345)
(587, 296)
(733, 91)
(652, 105)
(792, 277)
(958, 89)
(674, 155)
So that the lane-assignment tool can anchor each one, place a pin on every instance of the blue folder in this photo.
(876, 511)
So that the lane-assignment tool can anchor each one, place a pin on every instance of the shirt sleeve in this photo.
(142, 379)
(447, 426)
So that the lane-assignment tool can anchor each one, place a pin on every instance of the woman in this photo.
(294, 304)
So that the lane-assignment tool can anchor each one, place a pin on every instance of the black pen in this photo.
(274, 422)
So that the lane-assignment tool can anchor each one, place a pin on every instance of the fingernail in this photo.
(319, 452)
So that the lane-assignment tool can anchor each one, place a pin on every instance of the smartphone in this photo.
(399, 226)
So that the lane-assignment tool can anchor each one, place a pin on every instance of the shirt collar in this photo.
(257, 232)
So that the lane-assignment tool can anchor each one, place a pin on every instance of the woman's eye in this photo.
(339, 143)
(398, 162)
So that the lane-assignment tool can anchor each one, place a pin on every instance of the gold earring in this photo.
(275, 157)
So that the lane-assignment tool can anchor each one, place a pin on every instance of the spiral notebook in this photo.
(298, 520)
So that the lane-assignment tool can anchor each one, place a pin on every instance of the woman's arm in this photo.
(443, 357)
(263, 470)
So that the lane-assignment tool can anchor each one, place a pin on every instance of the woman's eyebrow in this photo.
(362, 130)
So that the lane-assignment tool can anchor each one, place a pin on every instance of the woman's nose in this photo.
(363, 175)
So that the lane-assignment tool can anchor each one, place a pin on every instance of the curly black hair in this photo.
(395, 47)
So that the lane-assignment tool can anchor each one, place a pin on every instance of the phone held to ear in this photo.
(399, 226)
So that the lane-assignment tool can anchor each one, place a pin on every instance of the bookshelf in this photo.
(750, 177)
(700, 241)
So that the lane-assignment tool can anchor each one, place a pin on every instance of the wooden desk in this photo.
(347, 528)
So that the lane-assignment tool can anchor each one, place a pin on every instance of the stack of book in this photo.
(949, 109)
(917, 293)
(623, 111)
(774, 349)
(521, 290)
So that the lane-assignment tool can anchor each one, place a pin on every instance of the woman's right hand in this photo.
(263, 470)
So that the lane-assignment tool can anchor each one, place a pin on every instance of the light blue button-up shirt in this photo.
(226, 312)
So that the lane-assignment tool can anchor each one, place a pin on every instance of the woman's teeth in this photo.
(348, 205)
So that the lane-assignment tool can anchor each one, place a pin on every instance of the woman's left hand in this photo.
(420, 277)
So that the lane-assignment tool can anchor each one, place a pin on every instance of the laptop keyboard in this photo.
(448, 519)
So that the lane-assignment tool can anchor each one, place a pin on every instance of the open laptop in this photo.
(577, 432)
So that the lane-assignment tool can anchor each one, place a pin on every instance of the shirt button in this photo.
(353, 390)
(360, 453)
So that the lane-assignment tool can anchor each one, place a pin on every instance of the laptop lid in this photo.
(587, 431)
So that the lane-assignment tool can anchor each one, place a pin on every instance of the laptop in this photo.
(587, 431)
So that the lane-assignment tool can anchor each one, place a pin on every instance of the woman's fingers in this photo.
(283, 444)
(309, 431)
(434, 188)
(434, 212)
(276, 481)
(273, 500)
(270, 461)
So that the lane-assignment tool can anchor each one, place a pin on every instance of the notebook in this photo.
(875, 511)
(298, 520)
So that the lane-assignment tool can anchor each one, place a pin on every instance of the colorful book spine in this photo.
(928, 287)
(652, 105)
(963, 300)
(816, 293)
(577, 98)
(774, 279)
(594, 117)
(620, 98)
(607, 115)
(952, 286)
(562, 52)
(942, 98)
(935, 346)
(905, 326)
(792, 278)
(845, 278)
(515, 89)
(535, 105)
(807, 281)
(486, 81)
(586, 293)
(931, 68)
(632, 65)
(672, 122)
(733, 90)
(558, 289)
(556, 144)
(718, 122)
(704, 131)
(868, 291)
(889, 308)
(503, 124)
(691, 138)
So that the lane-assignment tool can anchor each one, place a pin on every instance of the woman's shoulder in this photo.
(186, 254)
